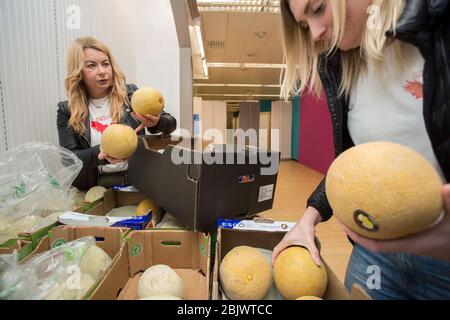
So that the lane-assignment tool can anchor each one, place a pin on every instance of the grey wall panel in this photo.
(249, 113)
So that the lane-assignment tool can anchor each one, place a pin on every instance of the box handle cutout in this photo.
(171, 243)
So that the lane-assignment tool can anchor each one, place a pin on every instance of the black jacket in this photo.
(426, 25)
(81, 144)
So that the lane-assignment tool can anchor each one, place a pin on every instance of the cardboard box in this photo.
(26, 242)
(111, 240)
(112, 199)
(196, 192)
(227, 239)
(187, 252)
(23, 248)
(115, 199)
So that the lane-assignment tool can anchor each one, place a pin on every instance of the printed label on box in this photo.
(265, 193)
(270, 226)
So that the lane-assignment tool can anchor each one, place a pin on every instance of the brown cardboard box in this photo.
(26, 242)
(187, 252)
(197, 193)
(228, 239)
(115, 199)
(109, 239)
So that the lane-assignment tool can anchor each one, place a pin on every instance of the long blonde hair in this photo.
(76, 88)
(301, 53)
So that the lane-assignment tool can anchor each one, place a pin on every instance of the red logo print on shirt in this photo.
(415, 87)
(100, 127)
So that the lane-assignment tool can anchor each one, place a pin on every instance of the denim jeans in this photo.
(398, 276)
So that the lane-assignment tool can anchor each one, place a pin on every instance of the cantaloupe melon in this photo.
(61, 291)
(245, 274)
(147, 100)
(383, 190)
(145, 205)
(125, 211)
(296, 274)
(160, 280)
(95, 262)
(119, 141)
(94, 194)
(76, 293)
(308, 298)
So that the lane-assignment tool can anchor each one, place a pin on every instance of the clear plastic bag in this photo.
(57, 274)
(35, 180)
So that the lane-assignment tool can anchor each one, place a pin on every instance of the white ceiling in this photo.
(241, 37)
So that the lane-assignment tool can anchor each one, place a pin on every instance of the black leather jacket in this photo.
(426, 25)
(81, 144)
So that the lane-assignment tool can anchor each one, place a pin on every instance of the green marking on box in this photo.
(136, 250)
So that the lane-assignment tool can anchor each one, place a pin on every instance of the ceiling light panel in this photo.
(250, 6)
(238, 65)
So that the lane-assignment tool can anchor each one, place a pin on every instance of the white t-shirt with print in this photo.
(100, 119)
(389, 107)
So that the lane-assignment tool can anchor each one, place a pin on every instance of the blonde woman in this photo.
(384, 66)
(99, 96)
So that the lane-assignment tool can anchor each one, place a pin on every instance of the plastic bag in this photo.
(54, 275)
(36, 179)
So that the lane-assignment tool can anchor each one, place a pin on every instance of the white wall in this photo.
(34, 41)
(28, 72)
(158, 53)
(213, 115)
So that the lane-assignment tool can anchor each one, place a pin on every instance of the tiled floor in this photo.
(295, 183)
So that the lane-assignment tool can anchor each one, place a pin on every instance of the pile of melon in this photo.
(92, 265)
(246, 274)
(66, 272)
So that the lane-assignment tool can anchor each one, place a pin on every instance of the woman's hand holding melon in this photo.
(104, 156)
(147, 121)
(303, 234)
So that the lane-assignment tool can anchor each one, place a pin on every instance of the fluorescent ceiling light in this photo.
(198, 33)
(205, 67)
(269, 6)
(201, 47)
(237, 85)
(246, 65)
